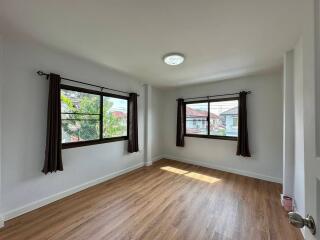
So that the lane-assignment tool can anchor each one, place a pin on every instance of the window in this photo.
(91, 117)
(216, 118)
(114, 117)
(196, 118)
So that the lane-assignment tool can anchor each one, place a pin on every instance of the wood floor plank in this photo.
(168, 200)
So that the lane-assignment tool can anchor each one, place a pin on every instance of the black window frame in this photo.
(208, 101)
(101, 138)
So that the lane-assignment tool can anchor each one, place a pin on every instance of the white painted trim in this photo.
(148, 164)
(42, 202)
(157, 158)
(225, 169)
(302, 230)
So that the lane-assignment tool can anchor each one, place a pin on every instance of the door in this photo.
(311, 85)
(307, 122)
(312, 164)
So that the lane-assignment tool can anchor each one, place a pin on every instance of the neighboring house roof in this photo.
(199, 113)
(231, 111)
(119, 114)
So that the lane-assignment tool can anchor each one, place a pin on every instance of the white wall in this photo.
(308, 149)
(1, 101)
(317, 45)
(264, 121)
(157, 114)
(288, 124)
(299, 178)
(24, 127)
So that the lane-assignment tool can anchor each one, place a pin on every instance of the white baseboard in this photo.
(42, 202)
(157, 158)
(225, 169)
(154, 159)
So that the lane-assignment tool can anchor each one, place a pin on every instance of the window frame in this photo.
(208, 136)
(101, 138)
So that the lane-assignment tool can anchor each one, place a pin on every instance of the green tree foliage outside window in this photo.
(81, 117)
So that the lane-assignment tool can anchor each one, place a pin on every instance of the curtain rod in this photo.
(220, 95)
(41, 73)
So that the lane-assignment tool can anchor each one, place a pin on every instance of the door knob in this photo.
(299, 222)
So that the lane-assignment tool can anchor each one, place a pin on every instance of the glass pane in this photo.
(114, 117)
(224, 118)
(80, 116)
(79, 102)
(77, 130)
(196, 118)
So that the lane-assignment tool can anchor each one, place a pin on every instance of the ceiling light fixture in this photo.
(173, 59)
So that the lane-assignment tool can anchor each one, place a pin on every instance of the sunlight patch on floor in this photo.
(202, 177)
(174, 170)
(194, 175)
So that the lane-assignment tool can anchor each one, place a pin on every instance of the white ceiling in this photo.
(220, 38)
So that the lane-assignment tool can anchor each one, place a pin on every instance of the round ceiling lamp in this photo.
(173, 59)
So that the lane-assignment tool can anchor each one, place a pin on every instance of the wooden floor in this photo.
(169, 200)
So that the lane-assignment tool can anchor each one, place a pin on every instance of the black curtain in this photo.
(180, 123)
(243, 141)
(133, 145)
(53, 159)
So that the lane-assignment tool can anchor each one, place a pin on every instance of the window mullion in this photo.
(101, 116)
(208, 119)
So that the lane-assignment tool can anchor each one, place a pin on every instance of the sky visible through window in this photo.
(223, 116)
(217, 107)
(220, 107)
(118, 105)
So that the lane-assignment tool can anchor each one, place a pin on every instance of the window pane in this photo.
(80, 116)
(80, 130)
(114, 117)
(79, 102)
(196, 118)
(224, 118)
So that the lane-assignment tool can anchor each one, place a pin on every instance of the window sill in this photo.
(92, 142)
(212, 137)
